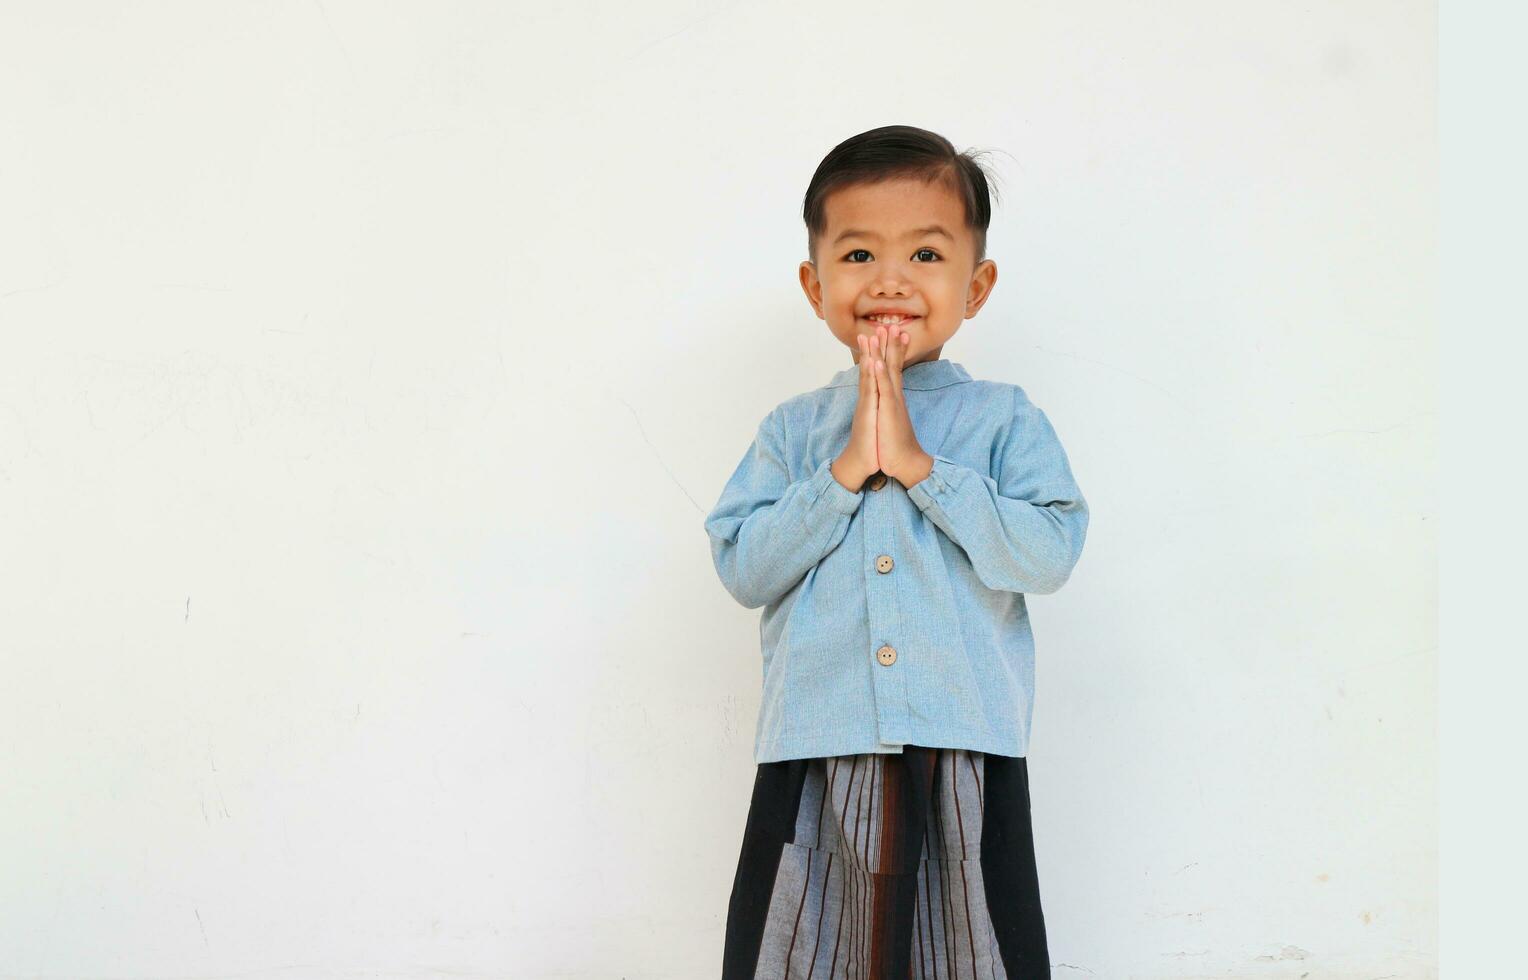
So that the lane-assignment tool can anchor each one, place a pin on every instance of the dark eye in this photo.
(919, 252)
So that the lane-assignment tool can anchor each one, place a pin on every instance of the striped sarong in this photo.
(918, 864)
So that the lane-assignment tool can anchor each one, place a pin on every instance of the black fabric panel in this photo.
(1009, 872)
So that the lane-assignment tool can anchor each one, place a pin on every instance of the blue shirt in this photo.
(894, 615)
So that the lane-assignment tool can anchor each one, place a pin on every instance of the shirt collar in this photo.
(915, 377)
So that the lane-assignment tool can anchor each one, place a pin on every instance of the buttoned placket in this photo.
(890, 677)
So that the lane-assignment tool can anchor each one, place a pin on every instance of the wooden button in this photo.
(883, 564)
(878, 481)
(886, 655)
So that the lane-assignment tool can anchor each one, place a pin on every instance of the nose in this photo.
(892, 279)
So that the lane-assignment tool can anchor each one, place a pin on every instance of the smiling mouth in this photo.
(890, 322)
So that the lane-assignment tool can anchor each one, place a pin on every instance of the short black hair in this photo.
(894, 152)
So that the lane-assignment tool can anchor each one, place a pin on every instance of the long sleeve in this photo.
(1024, 531)
(767, 532)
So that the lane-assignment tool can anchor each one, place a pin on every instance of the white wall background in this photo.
(366, 371)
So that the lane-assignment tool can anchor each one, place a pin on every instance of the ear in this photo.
(812, 286)
(982, 281)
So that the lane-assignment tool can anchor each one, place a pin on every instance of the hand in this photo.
(858, 460)
(898, 453)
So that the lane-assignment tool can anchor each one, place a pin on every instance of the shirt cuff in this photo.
(840, 498)
(940, 482)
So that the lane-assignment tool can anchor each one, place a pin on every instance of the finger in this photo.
(886, 402)
(890, 370)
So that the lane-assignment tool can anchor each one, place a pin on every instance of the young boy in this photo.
(890, 524)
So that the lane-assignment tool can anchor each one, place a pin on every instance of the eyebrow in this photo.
(915, 233)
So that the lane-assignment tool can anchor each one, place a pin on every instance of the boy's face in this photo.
(879, 254)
